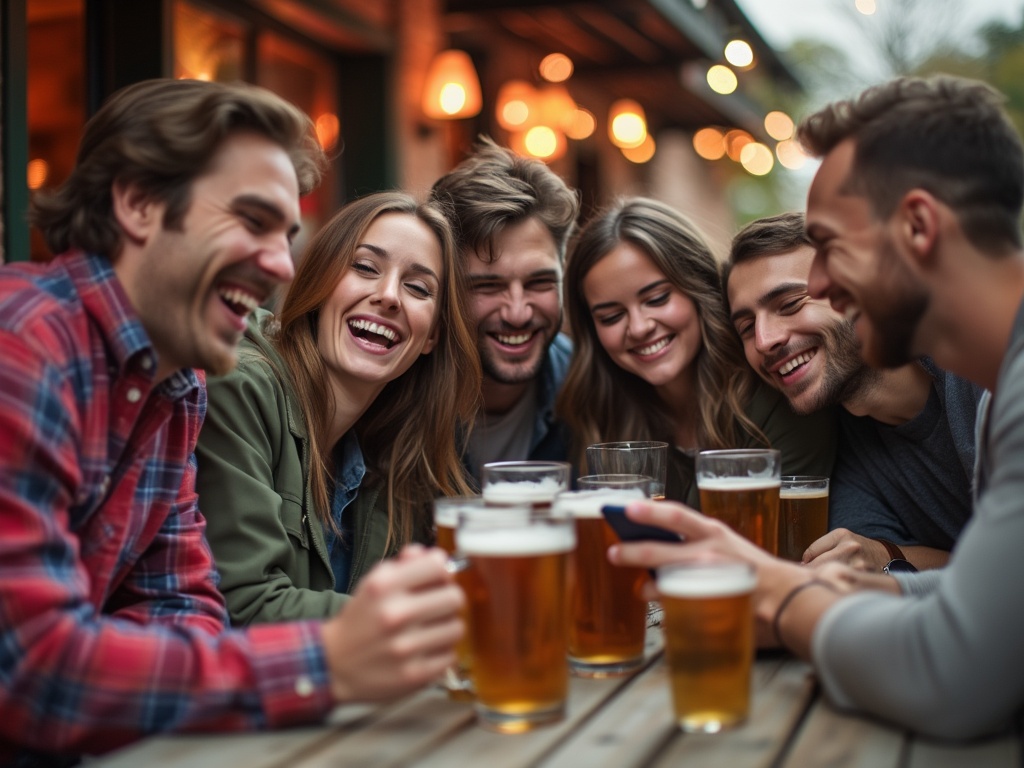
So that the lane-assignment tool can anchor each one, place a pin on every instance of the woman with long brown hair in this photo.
(322, 451)
(656, 357)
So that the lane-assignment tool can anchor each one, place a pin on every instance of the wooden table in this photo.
(614, 723)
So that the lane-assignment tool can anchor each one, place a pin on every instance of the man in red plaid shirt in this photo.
(174, 225)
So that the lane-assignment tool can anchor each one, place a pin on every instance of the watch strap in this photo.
(895, 553)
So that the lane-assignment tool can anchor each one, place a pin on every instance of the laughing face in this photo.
(858, 267)
(516, 302)
(381, 316)
(647, 326)
(797, 344)
(194, 286)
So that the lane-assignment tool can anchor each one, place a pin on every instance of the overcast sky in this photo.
(782, 21)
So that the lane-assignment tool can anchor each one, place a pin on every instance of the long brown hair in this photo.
(408, 433)
(601, 401)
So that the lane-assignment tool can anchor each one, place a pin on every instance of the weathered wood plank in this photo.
(831, 739)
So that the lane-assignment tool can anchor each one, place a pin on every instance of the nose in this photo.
(818, 280)
(516, 309)
(769, 333)
(639, 324)
(277, 263)
(388, 289)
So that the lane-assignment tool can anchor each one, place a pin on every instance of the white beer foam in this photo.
(535, 540)
(526, 492)
(803, 493)
(738, 483)
(706, 582)
(587, 504)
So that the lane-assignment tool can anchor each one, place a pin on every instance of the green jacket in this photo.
(253, 456)
(807, 443)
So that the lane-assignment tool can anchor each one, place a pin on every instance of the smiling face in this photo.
(798, 344)
(858, 267)
(381, 315)
(194, 286)
(647, 326)
(516, 301)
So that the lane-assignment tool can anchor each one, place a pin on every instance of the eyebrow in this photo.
(421, 269)
(268, 208)
(494, 276)
(641, 292)
(779, 290)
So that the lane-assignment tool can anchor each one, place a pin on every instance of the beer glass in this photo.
(803, 514)
(516, 594)
(709, 641)
(505, 483)
(633, 457)
(446, 519)
(741, 488)
(607, 616)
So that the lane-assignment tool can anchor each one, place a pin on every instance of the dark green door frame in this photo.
(14, 130)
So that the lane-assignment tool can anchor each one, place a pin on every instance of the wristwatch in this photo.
(897, 562)
(899, 565)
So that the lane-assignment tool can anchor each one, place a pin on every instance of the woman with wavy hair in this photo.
(656, 357)
(322, 451)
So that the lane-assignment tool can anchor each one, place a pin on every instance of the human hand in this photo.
(398, 631)
(845, 546)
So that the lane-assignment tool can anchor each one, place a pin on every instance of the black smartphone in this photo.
(630, 530)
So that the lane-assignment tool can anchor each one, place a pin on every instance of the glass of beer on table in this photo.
(631, 457)
(515, 579)
(446, 519)
(709, 641)
(803, 514)
(535, 483)
(741, 488)
(607, 615)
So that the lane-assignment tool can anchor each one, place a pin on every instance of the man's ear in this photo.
(919, 223)
(136, 212)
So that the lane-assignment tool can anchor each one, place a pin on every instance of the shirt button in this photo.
(105, 485)
(304, 687)
(134, 395)
(146, 362)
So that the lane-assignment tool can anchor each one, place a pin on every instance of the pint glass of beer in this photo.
(446, 519)
(536, 483)
(516, 593)
(631, 457)
(709, 641)
(803, 514)
(607, 615)
(741, 488)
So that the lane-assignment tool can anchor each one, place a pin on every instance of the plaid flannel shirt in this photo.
(111, 625)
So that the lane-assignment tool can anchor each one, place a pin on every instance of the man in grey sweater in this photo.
(901, 486)
(915, 219)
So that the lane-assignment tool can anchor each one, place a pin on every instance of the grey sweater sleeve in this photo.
(946, 662)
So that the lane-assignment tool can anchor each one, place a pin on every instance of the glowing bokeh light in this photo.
(627, 125)
(722, 79)
(556, 67)
(739, 53)
(541, 141)
(580, 124)
(756, 159)
(779, 125)
(709, 143)
(641, 154)
(866, 7)
(735, 141)
(790, 154)
(37, 172)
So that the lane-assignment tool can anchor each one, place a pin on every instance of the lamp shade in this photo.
(452, 88)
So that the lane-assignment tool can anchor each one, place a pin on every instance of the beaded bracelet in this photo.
(788, 599)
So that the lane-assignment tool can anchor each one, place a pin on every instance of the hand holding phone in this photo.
(630, 530)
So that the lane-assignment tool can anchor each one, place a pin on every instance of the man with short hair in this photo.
(173, 226)
(515, 216)
(901, 486)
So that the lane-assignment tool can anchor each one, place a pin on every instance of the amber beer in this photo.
(515, 587)
(750, 506)
(709, 642)
(803, 514)
(608, 617)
